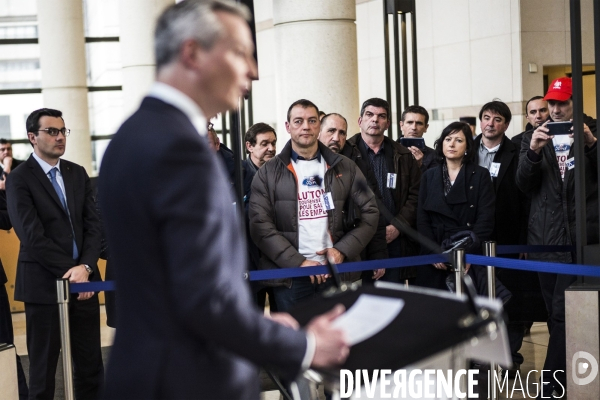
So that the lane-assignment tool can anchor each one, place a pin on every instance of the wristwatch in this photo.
(88, 269)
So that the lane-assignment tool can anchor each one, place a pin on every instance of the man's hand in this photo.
(417, 154)
(378, 273)
(331, 346)
(7, 164)
(391, 233)
(540, 138)
(2, 182)
(284, 319)
(309, 263)
(79, 274)
(588, 137)
(332, 254)
(440, 266)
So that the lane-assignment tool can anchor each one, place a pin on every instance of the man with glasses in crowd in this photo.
(51, 207)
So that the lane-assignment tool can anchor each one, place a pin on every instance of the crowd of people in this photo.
(307, 204)
(186, 323)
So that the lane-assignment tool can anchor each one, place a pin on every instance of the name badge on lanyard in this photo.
(494, 169)
(391, 180)
(327, 201)
(570, 163)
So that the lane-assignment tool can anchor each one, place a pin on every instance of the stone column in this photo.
(63, 64)
(316, 58)
(137, 21)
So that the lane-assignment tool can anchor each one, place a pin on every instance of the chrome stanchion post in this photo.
(62, 294)
(489, 250)
(458, 260)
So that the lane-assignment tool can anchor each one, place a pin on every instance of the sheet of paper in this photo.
(368, 316)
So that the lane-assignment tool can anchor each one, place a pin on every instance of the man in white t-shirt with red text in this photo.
(296, 208)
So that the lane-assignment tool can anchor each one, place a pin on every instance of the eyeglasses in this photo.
(56, 131)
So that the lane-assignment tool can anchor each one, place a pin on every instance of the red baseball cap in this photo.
(561, 89)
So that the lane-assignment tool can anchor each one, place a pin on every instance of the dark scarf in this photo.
(446, 178)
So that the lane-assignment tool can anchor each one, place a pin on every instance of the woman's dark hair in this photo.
(453, 127)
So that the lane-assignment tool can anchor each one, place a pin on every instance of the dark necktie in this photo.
(63, 201)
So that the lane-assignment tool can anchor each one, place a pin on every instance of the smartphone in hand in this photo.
(559, 128)
(416, 142)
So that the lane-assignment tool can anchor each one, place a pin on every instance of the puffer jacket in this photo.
(552, 218)
(273, 210)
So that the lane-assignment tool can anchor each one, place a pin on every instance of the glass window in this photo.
(104, 64)
(18, 107)
(5, 126)
(20, 66)
(101, 18)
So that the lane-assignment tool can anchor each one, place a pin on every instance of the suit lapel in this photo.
(435, 201)
(44, 180)
(504, 157)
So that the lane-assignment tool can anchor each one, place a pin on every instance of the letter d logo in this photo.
(580, 367)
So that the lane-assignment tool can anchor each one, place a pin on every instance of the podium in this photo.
(433, 330)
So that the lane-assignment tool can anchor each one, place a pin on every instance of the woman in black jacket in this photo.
(456, 196)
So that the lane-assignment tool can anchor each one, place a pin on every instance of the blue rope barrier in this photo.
(403, 262)
(515, 249)
(535, 266)
(97, 286)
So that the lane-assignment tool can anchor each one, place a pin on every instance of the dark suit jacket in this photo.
(42, 225)
(510, 229)
(509, 198)
(377, 247)
(187, 325)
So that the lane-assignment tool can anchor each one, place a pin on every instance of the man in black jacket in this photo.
(398, 176)
(261, 143)
(500, 156)
(545, 172)
(187, 327)
(334, 130)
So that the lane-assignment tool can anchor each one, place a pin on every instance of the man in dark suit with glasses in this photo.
(52, 210)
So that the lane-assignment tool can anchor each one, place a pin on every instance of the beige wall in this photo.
(469, 52)
(546, 40)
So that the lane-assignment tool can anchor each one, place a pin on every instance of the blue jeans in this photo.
(301, 290)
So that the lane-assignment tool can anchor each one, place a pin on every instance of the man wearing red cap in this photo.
(547, 172)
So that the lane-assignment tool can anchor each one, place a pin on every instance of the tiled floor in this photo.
(534, 351)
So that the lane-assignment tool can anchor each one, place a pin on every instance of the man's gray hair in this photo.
(191, 19)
